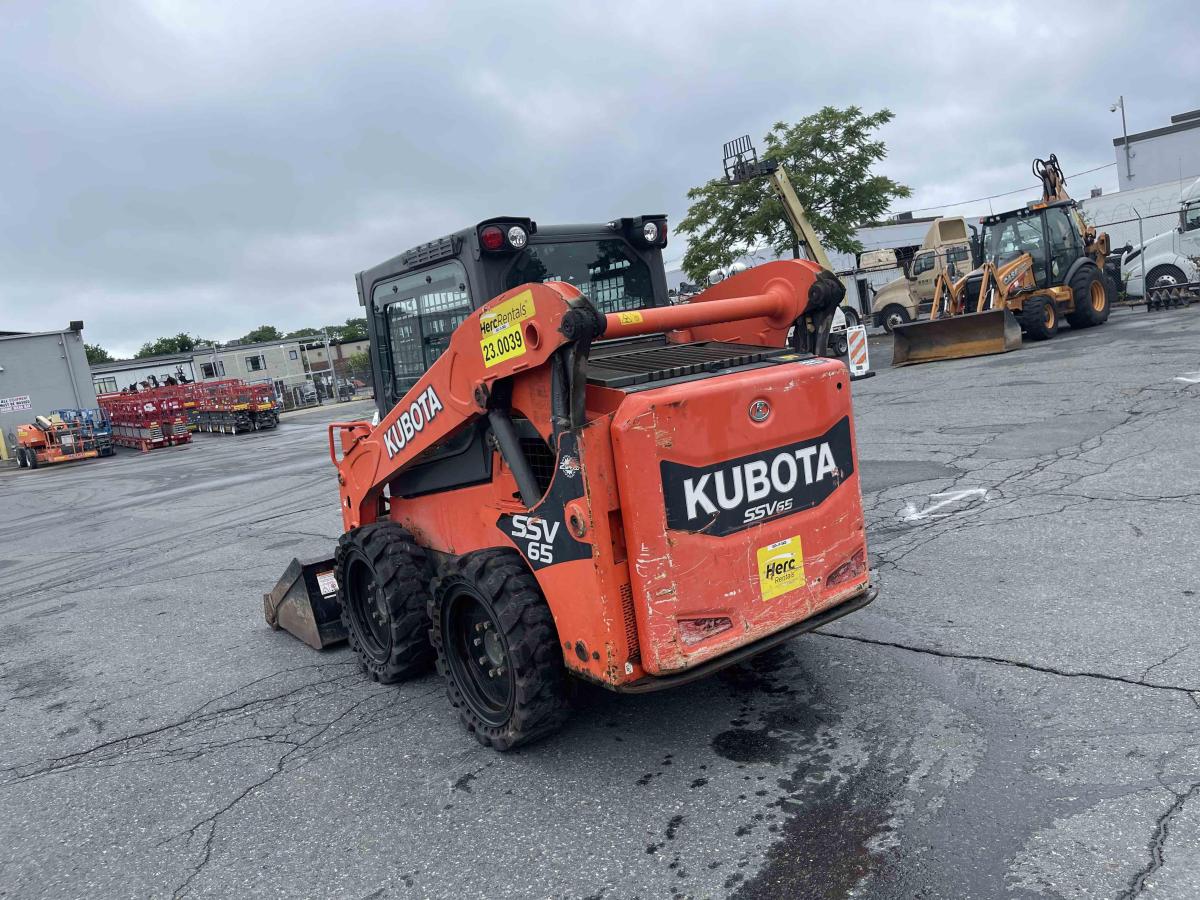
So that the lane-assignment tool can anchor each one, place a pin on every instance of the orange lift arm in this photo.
(520, 331)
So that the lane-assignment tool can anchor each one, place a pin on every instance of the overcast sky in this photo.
(177, 166)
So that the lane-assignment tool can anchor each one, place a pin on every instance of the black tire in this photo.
(1090, 297)
(383, 580)
(515, 690)
(892, 315)
(1169, 275)
(1039, 319)
(20, 457)
(31, 459)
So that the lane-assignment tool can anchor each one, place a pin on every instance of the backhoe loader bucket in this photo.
(304, 603)
(956, 337)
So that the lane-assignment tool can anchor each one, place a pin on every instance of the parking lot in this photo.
(1016, 715)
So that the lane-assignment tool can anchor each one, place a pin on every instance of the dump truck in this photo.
(945, 248)
(574, 480)
(1036, 266)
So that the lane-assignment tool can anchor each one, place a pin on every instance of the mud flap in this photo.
(304, 603)
(956, 337)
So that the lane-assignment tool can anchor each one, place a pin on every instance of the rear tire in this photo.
(893, 314)
(1039, 318)
(20, 457)
(31, 460)
(383, 587)
(1091, 298)
(497, 647)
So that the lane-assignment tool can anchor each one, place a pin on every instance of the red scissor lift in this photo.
(232, 406)
(147, 419)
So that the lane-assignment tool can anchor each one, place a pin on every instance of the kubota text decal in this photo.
(737, 493)
(420, 413)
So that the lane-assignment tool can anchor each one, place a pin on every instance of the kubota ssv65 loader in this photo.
(572, 478)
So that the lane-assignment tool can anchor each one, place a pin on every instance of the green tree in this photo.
(828, 157)
(97, 354)
(180, 343)
(353, 330)
(359, 363)
(260, 334)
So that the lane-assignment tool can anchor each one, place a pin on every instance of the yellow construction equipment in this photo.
(1038, 265)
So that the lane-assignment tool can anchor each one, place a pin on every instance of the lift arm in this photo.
(550, 324)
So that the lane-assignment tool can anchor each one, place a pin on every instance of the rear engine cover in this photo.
(740, 497)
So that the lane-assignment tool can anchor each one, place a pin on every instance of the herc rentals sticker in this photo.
(738, 493)
(780, 567)
(500, 336)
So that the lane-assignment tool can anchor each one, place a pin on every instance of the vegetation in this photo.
(97, 354)
(828, 157)
(180, 343)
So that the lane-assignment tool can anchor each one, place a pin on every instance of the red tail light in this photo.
(848, 571)
(693, 631)
(492, 238)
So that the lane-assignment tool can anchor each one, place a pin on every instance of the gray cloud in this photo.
(211, 167)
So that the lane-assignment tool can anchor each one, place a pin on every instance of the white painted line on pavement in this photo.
(910, 513)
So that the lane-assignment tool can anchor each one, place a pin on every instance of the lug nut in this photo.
(477, 641)
(483, 660)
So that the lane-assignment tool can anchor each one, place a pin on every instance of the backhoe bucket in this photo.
(304, 603)
(956, 337)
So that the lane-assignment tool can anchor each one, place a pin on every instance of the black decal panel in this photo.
(542, 535)
(738, 493)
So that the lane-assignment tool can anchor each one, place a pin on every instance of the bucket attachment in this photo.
(956, 337)
(304, 603)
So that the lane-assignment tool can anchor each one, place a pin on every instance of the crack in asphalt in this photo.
(1158, 840)
(1015, 663)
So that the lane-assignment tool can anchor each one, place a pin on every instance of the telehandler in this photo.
(1036, 266)
(572, 478)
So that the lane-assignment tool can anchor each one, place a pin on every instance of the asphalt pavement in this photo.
(1017, 715)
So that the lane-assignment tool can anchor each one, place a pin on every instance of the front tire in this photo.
(1091, 298)
(893, 314)
(1039, 318)
(383, 578)
(497, 647)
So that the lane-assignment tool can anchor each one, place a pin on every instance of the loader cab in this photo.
(1050, 234)
(415, 301)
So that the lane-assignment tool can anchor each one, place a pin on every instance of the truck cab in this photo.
(1170, 258)
(946, 247)
(414, 301)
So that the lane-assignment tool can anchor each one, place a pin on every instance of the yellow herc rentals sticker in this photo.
(629, 318)
(500, 329)
(780, 567)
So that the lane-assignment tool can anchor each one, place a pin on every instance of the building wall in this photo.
(51, 369)
(279, 362)
(109, 376)
(1159, 157)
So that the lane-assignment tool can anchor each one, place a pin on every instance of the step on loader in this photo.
(572, 478)
(1037, 265)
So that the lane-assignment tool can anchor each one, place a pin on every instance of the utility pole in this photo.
(1120, 104)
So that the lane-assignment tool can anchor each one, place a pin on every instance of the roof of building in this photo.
(1182, 122)
(119, 365)
(9, 335)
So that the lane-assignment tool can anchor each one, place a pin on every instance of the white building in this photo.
(1171, 153)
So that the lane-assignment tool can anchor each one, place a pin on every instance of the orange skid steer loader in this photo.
(572, 478)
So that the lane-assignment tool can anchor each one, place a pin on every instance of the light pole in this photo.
(1120, 104)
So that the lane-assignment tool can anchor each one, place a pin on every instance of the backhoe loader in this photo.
(574, 479)
(1036, 266)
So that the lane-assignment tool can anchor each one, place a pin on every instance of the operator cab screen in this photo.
(607, 272)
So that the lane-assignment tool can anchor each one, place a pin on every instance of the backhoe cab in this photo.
(1037, 265)
(573, 478)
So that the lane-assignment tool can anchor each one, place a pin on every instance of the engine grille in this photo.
(631, 636)
(639, 363)
(541, 460)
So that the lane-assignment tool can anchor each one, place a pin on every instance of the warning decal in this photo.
(500, 329)
(629, 318)
(780, 567)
